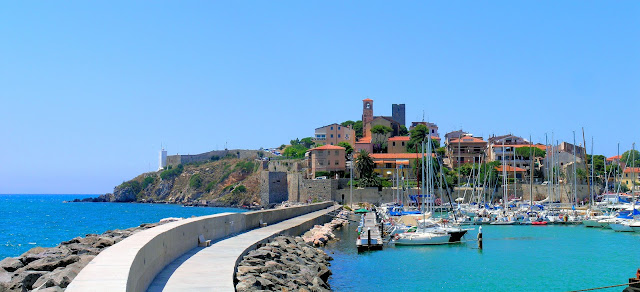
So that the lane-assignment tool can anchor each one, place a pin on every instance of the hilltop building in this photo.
(162, 163)
(334, 134)
(398, 113)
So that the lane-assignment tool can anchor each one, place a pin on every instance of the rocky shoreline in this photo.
(319, 235)
(290, 263)
(52, 269)
(284, 264)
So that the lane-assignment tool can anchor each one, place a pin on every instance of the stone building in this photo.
(327, 158)
(334, 134)
(273, 187)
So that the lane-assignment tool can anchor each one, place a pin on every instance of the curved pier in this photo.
(172, 251)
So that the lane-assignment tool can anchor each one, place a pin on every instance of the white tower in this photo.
(163, 159)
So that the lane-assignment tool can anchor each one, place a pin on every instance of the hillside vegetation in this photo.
(228, 182)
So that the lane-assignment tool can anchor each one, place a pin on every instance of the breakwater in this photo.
(56, 267)
(284, 264)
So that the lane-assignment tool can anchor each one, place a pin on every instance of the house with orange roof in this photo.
(614, 159)
(386, 164)
(510, 171)
(397, 144)
(465, 149)
(364, 143)
(334, 134)
(329, 158)
(499, 152)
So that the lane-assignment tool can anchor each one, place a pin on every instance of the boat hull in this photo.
(619, 227)
(422, 239)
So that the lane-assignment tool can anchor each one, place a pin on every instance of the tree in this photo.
(403, 130)
(295, 151)
(419, 133)
(356, 126)
(307, 142)
(365, 166)
(379, 132)
(525, 152)
(348, 148)
(629, 157)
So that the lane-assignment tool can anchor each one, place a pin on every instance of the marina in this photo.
(514, 258)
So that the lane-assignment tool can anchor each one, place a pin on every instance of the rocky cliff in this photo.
(225, 182)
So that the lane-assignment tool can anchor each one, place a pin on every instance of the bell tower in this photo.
(367, 117)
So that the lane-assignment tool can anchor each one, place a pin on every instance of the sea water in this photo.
(27, 221)
(513, 258)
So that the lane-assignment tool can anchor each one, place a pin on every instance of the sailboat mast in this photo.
(584, 157)
(531, 169)
(575, 171)
(504, 178)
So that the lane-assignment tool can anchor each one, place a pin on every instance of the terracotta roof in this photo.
(400, 138)
(467, 140)
(396, 155)
(632, 169)
(612, 158)
(510, 168)
(539, 146)
(328, 147)
(364, 140)
(400, 162)
(367, 99)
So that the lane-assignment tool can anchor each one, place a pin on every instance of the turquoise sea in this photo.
(514, 258)
(27, 221)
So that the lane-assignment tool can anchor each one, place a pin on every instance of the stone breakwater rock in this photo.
(284, 264)
(52, 269)
(319, 235)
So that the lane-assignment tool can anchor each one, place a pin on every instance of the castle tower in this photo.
(367, 116)
(397, 113)
(163, 159)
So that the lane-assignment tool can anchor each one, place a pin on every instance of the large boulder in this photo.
(60, 277)
(52, 263)
(23, 281)
(11, 264)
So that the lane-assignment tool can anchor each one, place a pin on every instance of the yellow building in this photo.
(398, 144)
(628, 176)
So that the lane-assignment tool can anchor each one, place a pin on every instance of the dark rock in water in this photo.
(23, 281)
(11, 264)
(104, 242)
(51, 263)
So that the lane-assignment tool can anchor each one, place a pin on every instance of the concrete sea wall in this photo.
(133, 263)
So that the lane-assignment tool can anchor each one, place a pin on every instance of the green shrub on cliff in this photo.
(245, 166)
(210, 186)
(195, 182)
(171, 172)
(147, 181)
(133, 185)
(239, 189)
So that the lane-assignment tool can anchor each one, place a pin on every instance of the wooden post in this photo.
(480, 238)
(369, 238)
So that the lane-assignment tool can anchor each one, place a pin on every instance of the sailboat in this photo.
(505, 219)
(425, 233)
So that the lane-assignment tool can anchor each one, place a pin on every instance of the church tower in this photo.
(367, 117)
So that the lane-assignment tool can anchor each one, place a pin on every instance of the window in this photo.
(338, 127)
(336, 152)
(402, 143)
(331, 135)
(331, 127)
(336, 162)
(433, 131)
(328, 162)
(338, 135)
(394, 143)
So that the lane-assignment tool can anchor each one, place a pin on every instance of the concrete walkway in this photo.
(211, 268)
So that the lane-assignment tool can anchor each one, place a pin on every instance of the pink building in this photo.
(327, 158)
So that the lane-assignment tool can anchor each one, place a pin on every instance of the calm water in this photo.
(514, 258)
(27, 221)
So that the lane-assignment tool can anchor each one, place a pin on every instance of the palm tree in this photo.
(364, 166)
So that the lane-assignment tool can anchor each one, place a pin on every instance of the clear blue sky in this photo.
(89, 90)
